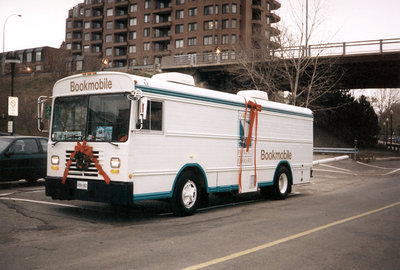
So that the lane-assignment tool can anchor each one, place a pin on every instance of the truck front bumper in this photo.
(120, 193)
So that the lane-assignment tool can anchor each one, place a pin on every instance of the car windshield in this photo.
(4, 143)
(91, 118)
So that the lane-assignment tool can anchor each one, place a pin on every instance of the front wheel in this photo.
(282, 183)
(186, 195)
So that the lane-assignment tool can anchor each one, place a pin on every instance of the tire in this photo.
(282, 183)
(186, 195)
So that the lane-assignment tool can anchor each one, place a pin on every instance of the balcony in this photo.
(274, 18)
(163, 7)
(275, 5)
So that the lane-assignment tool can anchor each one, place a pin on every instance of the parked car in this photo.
(23, 157)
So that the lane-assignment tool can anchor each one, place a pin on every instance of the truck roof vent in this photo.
(175, 77)
(253, 94)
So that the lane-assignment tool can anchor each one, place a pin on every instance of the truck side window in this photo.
(154, 116)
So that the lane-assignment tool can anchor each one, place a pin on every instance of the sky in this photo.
(43, 21)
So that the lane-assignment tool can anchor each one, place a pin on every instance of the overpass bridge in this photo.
(366, 64)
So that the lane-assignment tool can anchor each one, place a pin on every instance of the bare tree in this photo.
(384, 99)
(303, 70)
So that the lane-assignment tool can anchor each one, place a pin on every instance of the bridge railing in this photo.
(327, 49)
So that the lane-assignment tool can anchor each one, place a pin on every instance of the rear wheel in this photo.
(282, 183)
(186, 194)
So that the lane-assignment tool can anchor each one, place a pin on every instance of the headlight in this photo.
(115, 162)
(55, 160)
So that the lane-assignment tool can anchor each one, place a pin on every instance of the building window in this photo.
(132, 35)
(179, 14)
(225, 55)
(69, 24)
(110, 12)
(38, 56)
(146, 18)
(145, 60)
(180, 2)
(146, 32)
(86, 48)
(179, 28)
(133, 62)
(87, 25)
(87, 2)
(234, 8)
(108, 38)
(133, 8)
(132, 48)
(192, 27)
(268, 7)
(215, 39)
(234, 23)
(147, 4)
(209, 25)
(146, 46)
(96, 48)
(69, 35)
(29, 57)
(179, 43)
(192, 41)
(233, 39)
(79, 65)
(267, 20)
(108, 51)
(132, 21)
(68, 48)
(207, 40)
(225, 24)
(208, 10)
(224, 39)
(192, 12)
(87, 12)
(87, 36)
(109, 25)
(225, 8)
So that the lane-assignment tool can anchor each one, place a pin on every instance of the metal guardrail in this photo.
(327, 49)
(336, 150)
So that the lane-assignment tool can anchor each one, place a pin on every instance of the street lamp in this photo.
(4, 37)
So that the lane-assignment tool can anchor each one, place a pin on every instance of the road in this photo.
(347, 218)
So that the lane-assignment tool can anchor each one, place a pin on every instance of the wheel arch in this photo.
(285, 163)
(198, 171)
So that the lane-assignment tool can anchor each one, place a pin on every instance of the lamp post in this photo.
(4, 36)
(391, 128)
(384, 130)
(387, 133)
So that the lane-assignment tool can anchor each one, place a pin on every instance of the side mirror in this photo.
(142, 112)
(40, 109)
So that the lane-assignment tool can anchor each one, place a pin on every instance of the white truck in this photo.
(121, 138)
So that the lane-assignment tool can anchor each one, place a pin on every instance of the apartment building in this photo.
(133, 33)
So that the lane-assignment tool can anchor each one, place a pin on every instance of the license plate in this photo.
(82, 185)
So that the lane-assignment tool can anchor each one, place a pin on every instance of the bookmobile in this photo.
(120, 138)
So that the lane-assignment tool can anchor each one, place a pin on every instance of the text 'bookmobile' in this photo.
(120, 138)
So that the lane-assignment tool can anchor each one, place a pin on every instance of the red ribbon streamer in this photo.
(254, 109)
(86, 150)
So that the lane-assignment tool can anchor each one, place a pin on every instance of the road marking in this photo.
(333, 167)
(333, 171)
(394, 171)
(286, 239)
(6, 194)
(41, 202)
(373, 166)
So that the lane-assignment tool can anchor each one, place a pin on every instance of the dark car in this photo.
(23, 157)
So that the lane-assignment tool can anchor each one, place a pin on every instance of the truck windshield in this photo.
(91, 118)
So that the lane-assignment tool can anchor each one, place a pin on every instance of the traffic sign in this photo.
(13, 106)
